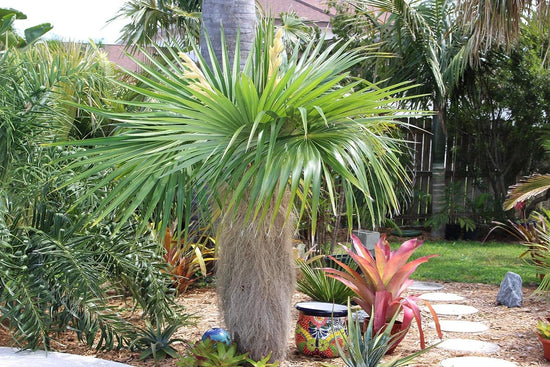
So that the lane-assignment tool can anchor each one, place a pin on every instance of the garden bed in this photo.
(510, 328)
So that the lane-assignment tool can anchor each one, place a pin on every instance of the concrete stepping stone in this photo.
(452, 309)
(12, 357)
(476, 362)
(460, 326)
(441, 297)
(425, 286)
(469, 345)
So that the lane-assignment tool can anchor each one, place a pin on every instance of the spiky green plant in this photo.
(366, 349)
(207, 353)
(314, 282)
(249, 143)
(156, 342)
(543, 328)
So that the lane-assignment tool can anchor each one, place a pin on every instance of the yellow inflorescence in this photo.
(276, 54)
(194, 75)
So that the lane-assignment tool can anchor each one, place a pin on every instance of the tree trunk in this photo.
(236, 17)
(255, 270)
(256, 280)
(438, 168)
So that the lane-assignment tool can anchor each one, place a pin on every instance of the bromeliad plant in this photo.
(186, 259)
(379, 289)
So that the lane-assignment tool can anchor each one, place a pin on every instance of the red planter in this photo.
(545, 346)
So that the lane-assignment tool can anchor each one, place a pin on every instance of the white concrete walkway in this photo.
(11, 357)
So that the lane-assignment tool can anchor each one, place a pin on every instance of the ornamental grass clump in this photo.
(315, 283)
(379, 289)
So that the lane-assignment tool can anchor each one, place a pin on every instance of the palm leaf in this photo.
(250, 134)
(527, 189)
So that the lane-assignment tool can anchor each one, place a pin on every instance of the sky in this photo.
(72, 20)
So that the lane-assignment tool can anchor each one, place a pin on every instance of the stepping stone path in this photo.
(451, 309)
(11, 357)
(441, 297)
(469, 345)
(425, 286)
(476, 362)
(459, 326)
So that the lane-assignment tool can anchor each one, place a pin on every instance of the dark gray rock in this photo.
(511, 292)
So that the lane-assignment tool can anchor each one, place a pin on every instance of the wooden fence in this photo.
(417, 209)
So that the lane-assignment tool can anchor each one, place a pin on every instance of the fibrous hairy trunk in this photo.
(256, 280)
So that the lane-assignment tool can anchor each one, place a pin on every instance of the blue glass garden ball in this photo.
(217, 334)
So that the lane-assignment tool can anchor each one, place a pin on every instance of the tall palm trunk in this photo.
(236, 17)
(255, 270)
(256, 279)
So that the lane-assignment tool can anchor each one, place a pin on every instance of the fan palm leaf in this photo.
(257, 133)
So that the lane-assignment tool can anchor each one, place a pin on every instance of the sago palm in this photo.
(249, 143)
(54, 269)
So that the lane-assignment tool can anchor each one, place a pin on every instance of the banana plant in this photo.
(8, 38)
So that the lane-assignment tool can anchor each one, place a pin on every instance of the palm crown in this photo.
(284, 122)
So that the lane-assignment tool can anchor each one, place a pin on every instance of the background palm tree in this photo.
(422, 42)
(438, 45)
(160, 21)
(249, 144)
(238, 20)
(498, 23)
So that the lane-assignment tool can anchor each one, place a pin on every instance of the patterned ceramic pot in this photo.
(320, 326)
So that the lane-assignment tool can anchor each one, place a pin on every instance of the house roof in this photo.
(314, 11)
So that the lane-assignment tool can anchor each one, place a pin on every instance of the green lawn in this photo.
(472, 262)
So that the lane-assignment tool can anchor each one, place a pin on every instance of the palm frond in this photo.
(251, 132)
(494, 23)
(527, 189)
(156, 21)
